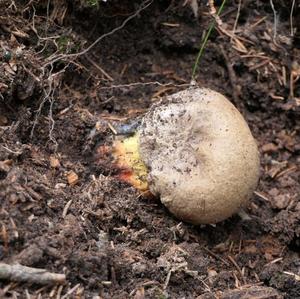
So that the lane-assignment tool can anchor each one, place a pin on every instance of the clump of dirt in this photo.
(63, 212)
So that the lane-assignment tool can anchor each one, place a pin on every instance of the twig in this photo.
(296, 277)
(237, 17)
(112, 128)
(291, 18)
(59, 291)
(261, 196)
(21, 273)
(66, 208)
(237, 267)
(167, 279)
(215, 256)
(70, 292)
(239, 46)
(142, 84)
(275, 20)
(257, 66)
(9, 287)
(11, 151)
(258, 22)
(110, 78)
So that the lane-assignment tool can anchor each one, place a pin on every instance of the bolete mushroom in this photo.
(196, 152)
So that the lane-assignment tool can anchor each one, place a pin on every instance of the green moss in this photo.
(92, 3)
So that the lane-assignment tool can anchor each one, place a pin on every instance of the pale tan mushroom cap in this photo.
(202, 158)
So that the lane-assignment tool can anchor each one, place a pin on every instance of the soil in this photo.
(63, 210)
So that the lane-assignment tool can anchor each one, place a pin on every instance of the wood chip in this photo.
(72, 178)
(66, 208)
(171, 24)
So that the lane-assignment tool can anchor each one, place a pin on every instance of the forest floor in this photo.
(62, 211)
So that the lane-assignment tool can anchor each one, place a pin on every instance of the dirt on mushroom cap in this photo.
(203, 160)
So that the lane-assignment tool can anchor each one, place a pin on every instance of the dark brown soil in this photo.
(108, 240)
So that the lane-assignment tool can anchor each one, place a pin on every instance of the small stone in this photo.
(72, 178)
(54, 162)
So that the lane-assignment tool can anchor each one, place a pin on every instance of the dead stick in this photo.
(21, 273)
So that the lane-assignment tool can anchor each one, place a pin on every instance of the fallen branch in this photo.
(21, 273)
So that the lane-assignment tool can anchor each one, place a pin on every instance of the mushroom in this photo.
(195, 151)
